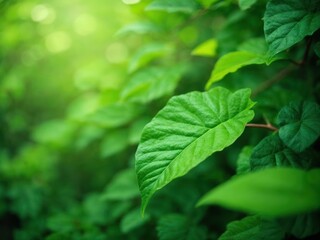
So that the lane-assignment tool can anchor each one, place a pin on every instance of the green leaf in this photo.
(114, 115)
(243, 162)
(114, 142)
(152, 83)
(245, 4)
(317, 49)
(301, 226)
(287, 22)
(271, 192)
(271, 152)
(179, 227)
(207, 3)
(132, 221)
(124, 186)
(252, 228)
(146, 54)
(138, 28)
(299, 124)
(206, 49)
(185, 6)
(185, 132)
(231, 62)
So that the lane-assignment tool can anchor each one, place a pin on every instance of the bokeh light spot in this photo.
(117, 53)
(58, 42)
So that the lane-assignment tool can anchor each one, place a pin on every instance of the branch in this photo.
(267, 126)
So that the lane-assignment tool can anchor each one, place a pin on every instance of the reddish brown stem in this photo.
(267, 126)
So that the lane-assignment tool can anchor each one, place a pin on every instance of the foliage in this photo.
(209, 107)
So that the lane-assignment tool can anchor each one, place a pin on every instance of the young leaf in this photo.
(271, 152)
(185, 132)
(231, 62)
(300, 124)
(252, 228)
(286, 22)
(206, 49)
(271, 192)
(245, 4)
(185, 6)
(179, 227)
(152, 83)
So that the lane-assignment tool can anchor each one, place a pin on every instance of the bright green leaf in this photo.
(299, 124)
(287, 22)
(231, 62)
(185, 132)
(123, 186)
(206, 49)
(152, 83)
(179, 227)
(146, 54)
(271, 192)
(271, 152)
(245, 4)
(185, 6)
(253, 228)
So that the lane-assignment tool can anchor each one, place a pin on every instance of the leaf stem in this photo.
(267, 126)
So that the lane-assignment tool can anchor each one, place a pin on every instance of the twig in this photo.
(267, 126)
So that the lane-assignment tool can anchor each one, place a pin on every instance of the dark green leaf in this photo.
(287, 22)
(253, 228)
(132, 221)
(271, 192)
(299, 124)
(271, 152)
(179, 227)
(243, 162)
(189, 129)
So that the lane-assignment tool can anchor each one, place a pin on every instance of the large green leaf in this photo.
(185, 6)
(271, 152)
(252, 228)
(271, 192)
(287, 22)
(189, 129)
(179, 227)
(300, 124)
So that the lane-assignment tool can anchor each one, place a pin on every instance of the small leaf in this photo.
(179, 227)
(138, 28)
(243, 162)
(271, 152)
(132, 221)
(252, 228)
(287, 22)
(206, 49)
(231, 62)
(146, 54)
(124, 186)
(185, 6)
(245, 4)
(271, 192)
(114, 142)
(152, 83)
(114, 115)
(300, 124)
(189, 129)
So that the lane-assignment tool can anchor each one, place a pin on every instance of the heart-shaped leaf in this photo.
(185, 132)
(300, 124)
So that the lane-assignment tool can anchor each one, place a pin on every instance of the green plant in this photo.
(277, 179)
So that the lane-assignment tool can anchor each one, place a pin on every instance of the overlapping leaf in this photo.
(270, 192)
(271, 152)
(300, 125)
(287, 22)
(189, 129)
(252, 228)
